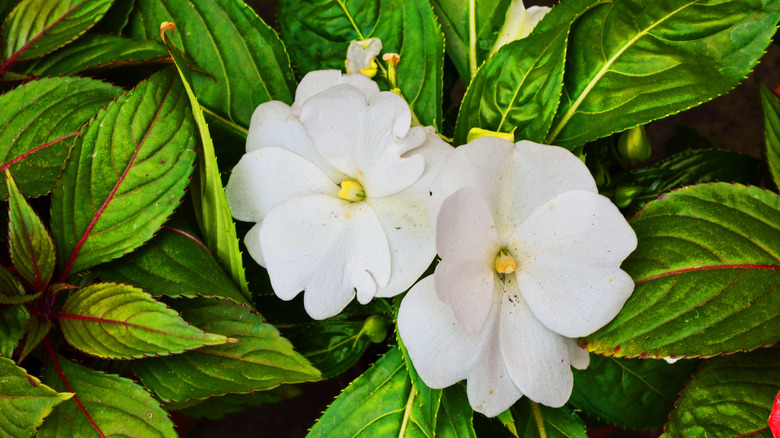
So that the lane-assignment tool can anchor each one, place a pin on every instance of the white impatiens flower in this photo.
(361, 57)
(530, 260)
(337, 185)
(518, 23)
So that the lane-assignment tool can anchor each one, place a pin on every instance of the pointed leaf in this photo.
(126, 174)
(632, 393)
(11, 289)
(208, 194)
(24, 400)
(13, 324)
(175, 264)
(41, 121)
(518, 89)
(117, 406)
(673, 54)
(706, 273)
(455, 415)
(37, 329)
(771, 106)
(262, 360)
(318, 34)
(531, 418)
(730, 396)
(119, 321)
(243, 62)
(30, 245)
(98, 52)
(37, 27)
(332, 345)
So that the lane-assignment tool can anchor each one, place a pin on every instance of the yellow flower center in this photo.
(352, 191)
(505, 263)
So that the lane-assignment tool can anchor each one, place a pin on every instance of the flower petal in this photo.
(537, 358)
(442, 353)
(580, 358)
(569, 254)
(252, 242)
(366, 141)
(318, 81)
(327, 246)
(266, 177)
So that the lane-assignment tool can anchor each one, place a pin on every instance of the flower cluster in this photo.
(351, 200)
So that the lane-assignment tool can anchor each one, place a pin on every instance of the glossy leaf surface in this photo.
(771, 106)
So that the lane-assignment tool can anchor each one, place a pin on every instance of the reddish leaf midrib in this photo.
(36, 149)
(704, 268)
(117, 322)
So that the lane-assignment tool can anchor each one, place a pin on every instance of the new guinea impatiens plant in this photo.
(459, 213)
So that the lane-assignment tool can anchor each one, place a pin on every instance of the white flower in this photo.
(337, 185)
(531, 259)
(518, 23)
(360, 56)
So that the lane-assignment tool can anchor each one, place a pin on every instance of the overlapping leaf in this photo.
(119, 321)
(126, 175)
(631, 393)
(24, 400)
(262, 360)
(638, 60)
(706, 273)
(96, 52)
(730, 396)
(218, 407)
(771, 106)
(11, 289)
(556, 422)
(117, 406)
(13, 323)
(37, 329)
(37, 27)
(41, 120)
(242, 62)
(318, 34)
(333, 345)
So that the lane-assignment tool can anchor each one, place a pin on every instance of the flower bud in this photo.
(625, 195)
(375, 329)
(634, 146)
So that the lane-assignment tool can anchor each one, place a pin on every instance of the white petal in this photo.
(366, 140)
(465, 228)
(275, 124)
(536, 13)
(252, 242)
(569, 254)
(318, 81)
(329, 247)
(580, 358)
(467, 287)
(361, 53)
(266, 177)
(536, 357)
(442, 353)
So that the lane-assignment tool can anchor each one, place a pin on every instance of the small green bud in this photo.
(634, 146)
(625, 195)
(375, 329)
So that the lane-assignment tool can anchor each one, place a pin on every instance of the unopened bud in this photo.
(634, 146)
(375, 329)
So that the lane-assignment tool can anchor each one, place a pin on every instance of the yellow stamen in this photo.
(352, 191)
(371, 70)
(505, 263)
(476, 133)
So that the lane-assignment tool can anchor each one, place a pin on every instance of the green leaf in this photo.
(454, 18)
(531, 418)
(117, 406)
(242, 59)
(455, 415)
(41, 120)
(706, 273)
(37, 27)
(631, 393)
(771, 107)
(115, 19)
(118, 321)
(11, 289)
(208, 194)
(37, 329)
(318, 34)
(218, 407)
(518, 89)
(5, 7)
(24, 400)
(262, 360)
(639, 60)
(13, 324)
(730, 396)
(126, 174)
(332, 345)
(98, 52)
(30, 245)
(175, 264)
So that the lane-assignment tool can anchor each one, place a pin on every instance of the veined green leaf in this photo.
(241, 59)
(30, 245)
(531, 418)
(518, 89)
(96, 52)
(318, 34)
(126, 174)
(332, 345)
(115, 19)
(638, 60)
(118, 321)
(24, 400)
(41, 120)
(216, 408)
(116, 406)
(37, 27)
(771, 107)
(706, 273)
(632, 393)
(262, 360)
(13, 324)
(37, 329)
(730, 396)
(175, 264)
(208, 195)
(455, 417)
(6, 7)
(11, 289)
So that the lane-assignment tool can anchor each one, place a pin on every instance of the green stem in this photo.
(408, 411)
(538, 418)
(236, 127)
(472, 38)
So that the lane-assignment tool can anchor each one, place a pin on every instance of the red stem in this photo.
(703, 268)
(755, 432)
(32, 151)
